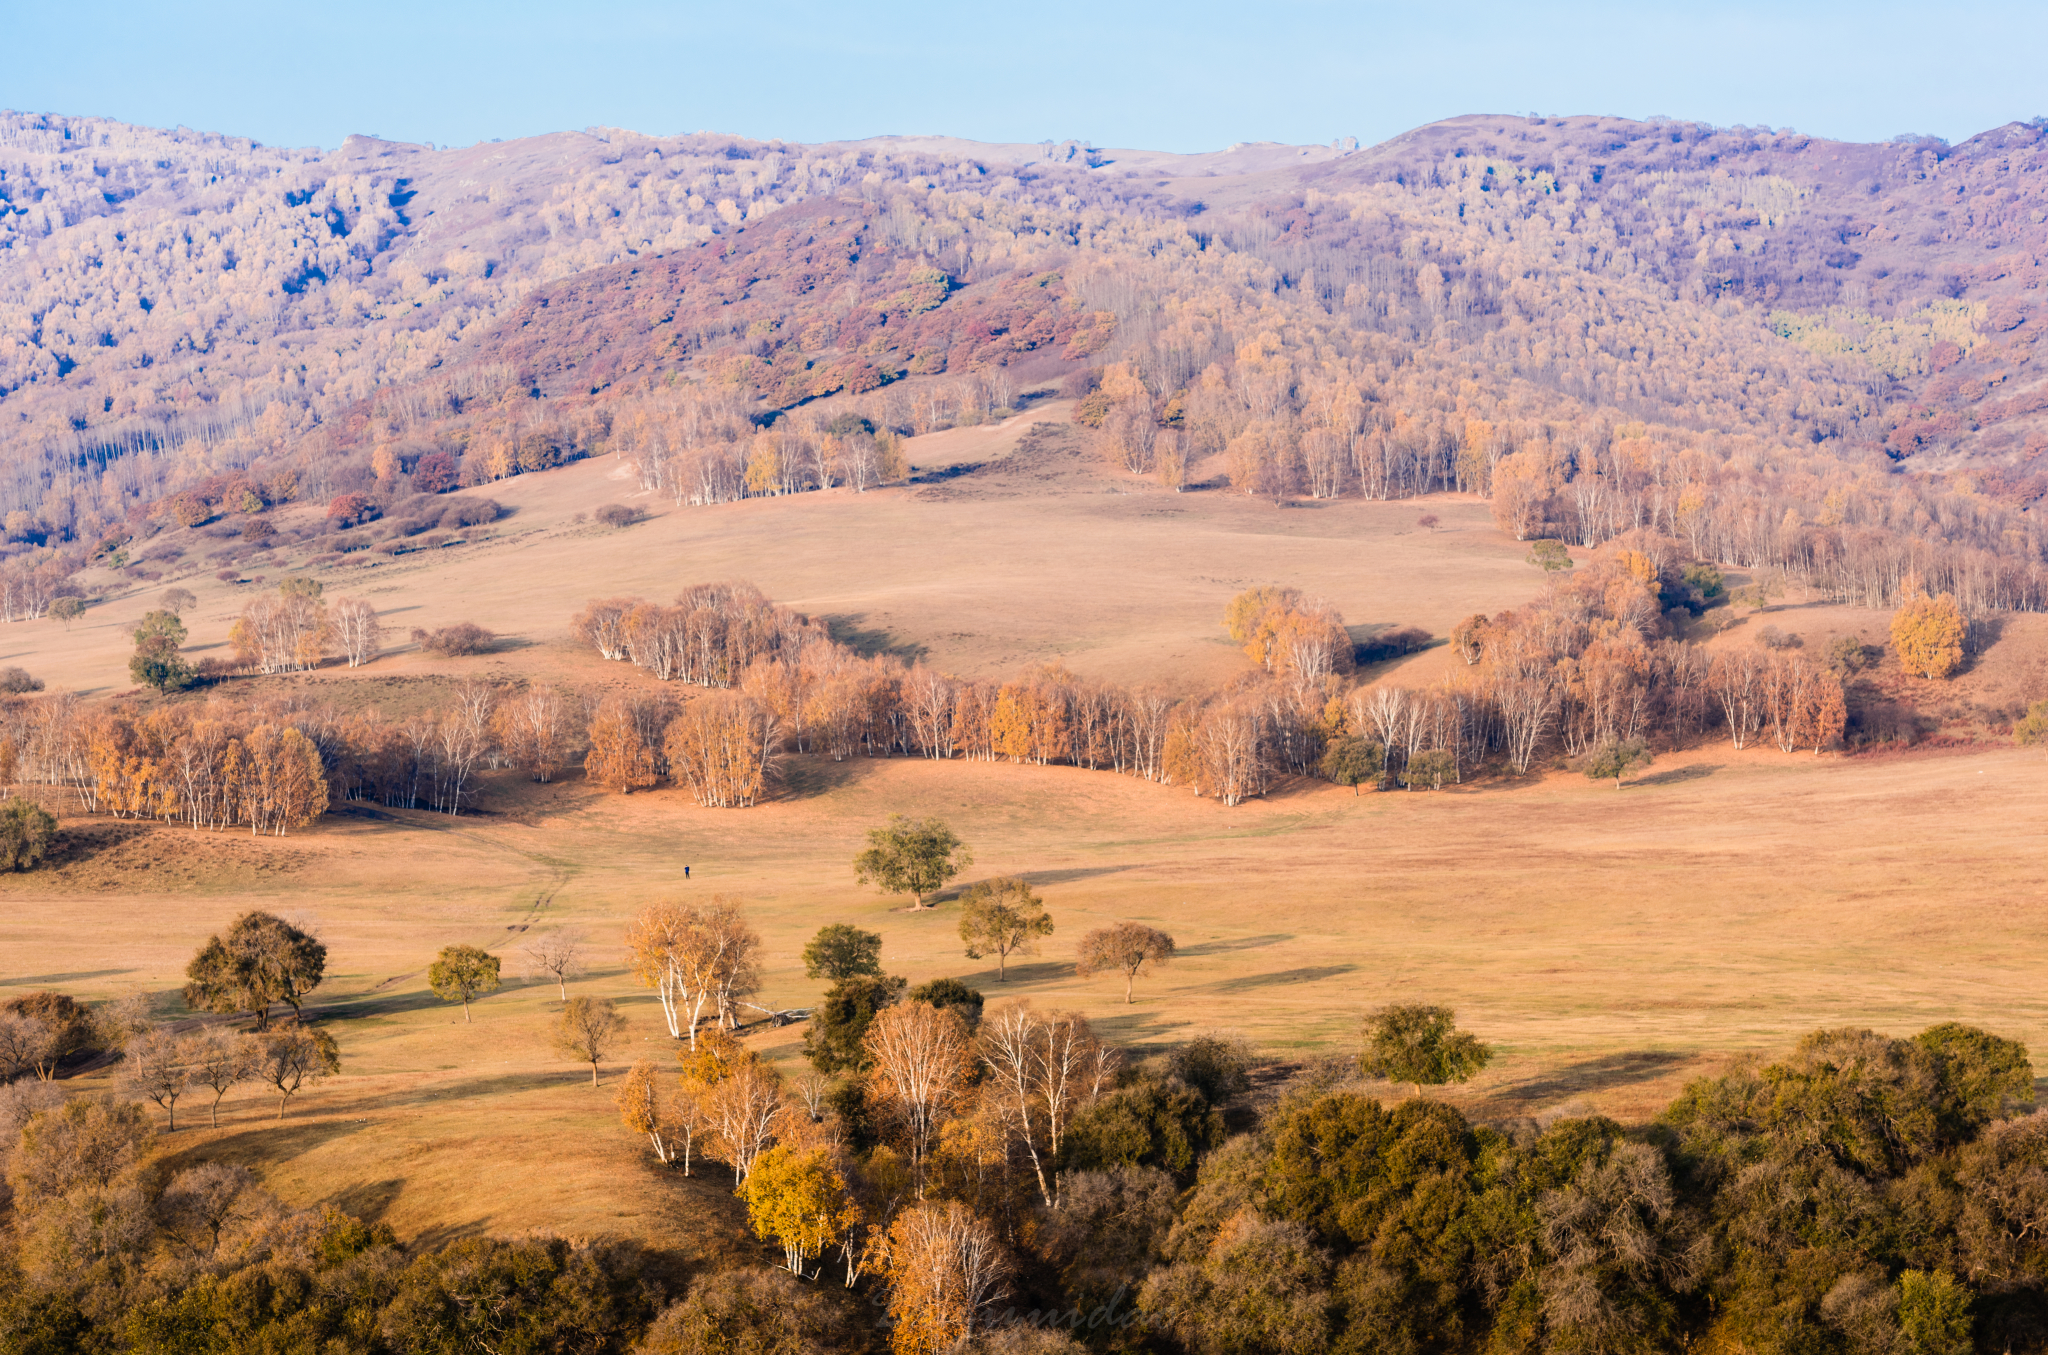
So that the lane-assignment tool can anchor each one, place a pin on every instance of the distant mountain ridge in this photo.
(177, 305)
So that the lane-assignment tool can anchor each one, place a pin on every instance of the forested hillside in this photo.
(1792, 353)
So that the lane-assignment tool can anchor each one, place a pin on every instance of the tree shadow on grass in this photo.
(807, 776)
(1306, 974)
(867, 641)
(75, 846)
(369, 1200)
(262, 1143)
(451, 1090)
(1067, 877)
(1596, 1075)
(1138, 1030)
(1022, 972)
(1241, 943)
(27, 980)
(1698, 771)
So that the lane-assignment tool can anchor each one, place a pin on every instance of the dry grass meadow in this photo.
(1611, 943)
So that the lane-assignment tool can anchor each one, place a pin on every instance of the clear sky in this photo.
(1185, 77)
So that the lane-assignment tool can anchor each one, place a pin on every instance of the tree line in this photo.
(1589, 664)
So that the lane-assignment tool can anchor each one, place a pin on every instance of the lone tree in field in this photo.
(462, 974)
(1126, 947)
(911, 856)
(290, 1058)
(1928, 634)
(1352, 761)
(1617, 759)
(586, 1031)
(156, 662)
(26, 832)
(260, 960)
(558, 955)
(1549, 556)
(841, 951)
(1420, 1045)
(1002, 917)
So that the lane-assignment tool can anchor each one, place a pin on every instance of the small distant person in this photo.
(686, 872)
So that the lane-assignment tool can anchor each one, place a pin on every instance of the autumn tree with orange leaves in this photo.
(1928, 634)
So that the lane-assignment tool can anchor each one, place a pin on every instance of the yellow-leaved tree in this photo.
(798, 1198)
(1927, 633)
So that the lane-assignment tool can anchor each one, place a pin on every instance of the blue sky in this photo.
(1183, 77)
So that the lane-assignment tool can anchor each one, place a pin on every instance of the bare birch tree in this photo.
(922, 1059)
(357, 631)
(558, 955)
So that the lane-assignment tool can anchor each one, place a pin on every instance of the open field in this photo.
(1612, 944)
(1028, 559)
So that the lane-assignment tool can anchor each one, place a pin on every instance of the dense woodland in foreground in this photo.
(962, 1177)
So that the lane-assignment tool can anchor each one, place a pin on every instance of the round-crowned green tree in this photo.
(463, 974)
(1420, 1045)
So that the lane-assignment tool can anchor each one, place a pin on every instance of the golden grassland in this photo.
(1611, 944)
(1032, 558)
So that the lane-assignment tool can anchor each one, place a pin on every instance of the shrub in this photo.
(229, 576)
(1217, 1066)
(347, 510)
(456, 641)
(748, 1310)
(1150, 1123)
(470, 512)
(1706, 578)
(26, 831)
(258, 529)
(1849, 655)
(17, 682)
(616, 515)
(1770, 637)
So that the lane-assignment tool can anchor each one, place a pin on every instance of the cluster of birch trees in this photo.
(1588, 664)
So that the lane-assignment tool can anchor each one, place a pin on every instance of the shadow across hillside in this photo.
(867, 641)
(75, 846)
(1698, 771)
(1228, 947)
(30, 980)
(805, 776)
(1595, 1075)
(1305, 974)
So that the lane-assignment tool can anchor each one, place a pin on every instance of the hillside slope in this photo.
(180, 310)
